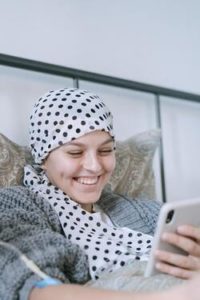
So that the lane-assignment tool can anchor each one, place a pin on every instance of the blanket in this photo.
(131, 278)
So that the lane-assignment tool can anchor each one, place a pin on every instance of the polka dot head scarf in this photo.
(59, 117)
(63, 115)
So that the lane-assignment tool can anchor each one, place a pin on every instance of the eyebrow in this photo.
(74, 143)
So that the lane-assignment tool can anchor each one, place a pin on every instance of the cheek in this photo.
(56, 171)
(68, 171)
(110, 164)
(65, 172)
(59, 176)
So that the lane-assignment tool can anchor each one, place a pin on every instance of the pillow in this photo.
(133, 175)
(13, 158)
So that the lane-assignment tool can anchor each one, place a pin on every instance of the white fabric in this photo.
(107, 247)
(102, 216)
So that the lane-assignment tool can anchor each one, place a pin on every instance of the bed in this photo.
(134, 175)
(175, 113)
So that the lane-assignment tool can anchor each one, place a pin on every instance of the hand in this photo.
(186, 238)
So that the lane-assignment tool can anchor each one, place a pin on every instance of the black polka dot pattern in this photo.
(63, 115)
(107, 247)
(59, 117)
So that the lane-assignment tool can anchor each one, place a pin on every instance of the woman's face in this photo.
(82, 167)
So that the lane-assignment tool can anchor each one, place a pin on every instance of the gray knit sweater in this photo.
(30, 223)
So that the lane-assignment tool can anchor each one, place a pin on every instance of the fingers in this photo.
(189, 231)
(174, 270)
(183, 266)
(181, 261)
(187, 244)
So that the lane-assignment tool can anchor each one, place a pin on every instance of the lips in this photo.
(87, 180)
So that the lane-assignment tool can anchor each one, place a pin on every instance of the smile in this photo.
(87, 180)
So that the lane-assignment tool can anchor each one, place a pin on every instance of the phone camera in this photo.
(169, 216)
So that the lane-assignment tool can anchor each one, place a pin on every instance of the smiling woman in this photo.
(72, 140)
(64, 219)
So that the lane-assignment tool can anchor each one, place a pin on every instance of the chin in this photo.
(89, 199)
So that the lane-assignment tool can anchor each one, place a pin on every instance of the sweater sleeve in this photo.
(30, 224)
(136, 214)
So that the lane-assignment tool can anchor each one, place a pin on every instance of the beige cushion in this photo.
(13, 157)
(133, 175)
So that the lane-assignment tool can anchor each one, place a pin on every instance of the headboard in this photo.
(160, 96)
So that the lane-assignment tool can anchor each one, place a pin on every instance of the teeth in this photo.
(88, 180)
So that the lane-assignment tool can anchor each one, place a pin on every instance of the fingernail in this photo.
(157, 265)
(157, 252)
(164, 236)
(181, 228)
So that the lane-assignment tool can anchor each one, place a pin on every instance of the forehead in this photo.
(97, 137)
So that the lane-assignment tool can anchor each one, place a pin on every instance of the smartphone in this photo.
(171, 216)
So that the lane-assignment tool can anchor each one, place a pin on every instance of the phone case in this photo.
(171, 216)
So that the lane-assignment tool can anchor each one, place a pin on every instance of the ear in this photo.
(43, 165)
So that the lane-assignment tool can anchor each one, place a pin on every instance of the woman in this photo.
(63, 220)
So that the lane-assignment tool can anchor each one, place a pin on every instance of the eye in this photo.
(75, 153)
(106, 151)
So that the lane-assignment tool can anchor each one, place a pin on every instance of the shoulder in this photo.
(22, 204)
(14, 190)
(110, 199)
(137, 214)
(19, 195)
(148, 207)
(16, 195)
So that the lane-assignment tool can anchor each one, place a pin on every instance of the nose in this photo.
(92, 162)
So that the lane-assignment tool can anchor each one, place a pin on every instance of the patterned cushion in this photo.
(13, 157)
(133, 175)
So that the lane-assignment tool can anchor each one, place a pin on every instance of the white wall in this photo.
(155, 42)
(19, 90)
(150, 41)
(181, 138)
